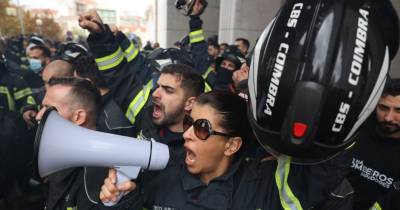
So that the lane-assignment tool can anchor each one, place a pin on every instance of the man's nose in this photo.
(389, 116)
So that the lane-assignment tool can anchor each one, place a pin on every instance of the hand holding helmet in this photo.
(191, 7)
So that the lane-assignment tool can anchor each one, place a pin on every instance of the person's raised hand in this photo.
(91, 21)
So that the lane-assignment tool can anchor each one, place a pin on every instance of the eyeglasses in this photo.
(202, 128)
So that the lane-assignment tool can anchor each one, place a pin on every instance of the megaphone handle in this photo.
(120, 179)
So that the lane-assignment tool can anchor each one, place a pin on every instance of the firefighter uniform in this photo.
(374, 173)
(15, 95)
(121, 76)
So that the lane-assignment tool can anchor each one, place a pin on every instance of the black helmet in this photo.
(231, 53)
(159, 58)
(317, 72)
(70, 52)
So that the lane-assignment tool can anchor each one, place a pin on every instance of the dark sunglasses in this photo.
(202, 128)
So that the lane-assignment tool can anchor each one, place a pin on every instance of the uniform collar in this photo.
(216, 195)
(190, 181)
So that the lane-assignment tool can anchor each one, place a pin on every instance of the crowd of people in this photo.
(306, 118)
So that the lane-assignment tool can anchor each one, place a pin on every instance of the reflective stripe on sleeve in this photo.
(10, 99)
(22, 93)
(287, 198)
(196, 36)
(110, 61)
(131, 52)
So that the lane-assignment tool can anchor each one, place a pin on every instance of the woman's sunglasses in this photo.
(202, 128)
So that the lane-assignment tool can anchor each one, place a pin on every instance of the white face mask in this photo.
(35, 65)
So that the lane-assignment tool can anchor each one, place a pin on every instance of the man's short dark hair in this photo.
(82, 93)
(45, 51)
(245, 42)
(86, 67)
(392, 87)
(191, 81)
(213, 44)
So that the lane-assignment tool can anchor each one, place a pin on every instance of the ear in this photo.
(232, 146)
(79, 117)
(47, 61)
(189, 104)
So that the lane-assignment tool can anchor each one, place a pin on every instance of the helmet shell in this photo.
(159, 58)
(317, 73)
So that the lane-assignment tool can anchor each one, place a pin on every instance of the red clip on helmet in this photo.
(317, 72)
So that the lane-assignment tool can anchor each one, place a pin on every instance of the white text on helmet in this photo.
(294, 15)
(276, 77)
(341, 117)
(356, 66)
(359, 49)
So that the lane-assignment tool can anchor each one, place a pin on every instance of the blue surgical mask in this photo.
(35, 65)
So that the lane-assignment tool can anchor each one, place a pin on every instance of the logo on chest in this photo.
(371, 174)
(164, 208)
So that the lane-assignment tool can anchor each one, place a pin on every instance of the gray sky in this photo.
(138, 6)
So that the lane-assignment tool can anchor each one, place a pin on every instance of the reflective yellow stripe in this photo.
(22, 93)
(10, 100)
(376, 206)
(288, 199)
(196, 36)
(207, 87)
(110, 61)
(30, 100)
(209, 70)
(131, 52)
(138, 102)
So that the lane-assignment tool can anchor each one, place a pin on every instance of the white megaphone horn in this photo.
(60, 144)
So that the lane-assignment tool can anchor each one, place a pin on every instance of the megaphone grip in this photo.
(121, 178)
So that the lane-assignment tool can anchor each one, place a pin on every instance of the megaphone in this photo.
(60, 144)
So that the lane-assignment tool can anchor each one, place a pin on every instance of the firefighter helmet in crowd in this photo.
(233, 54)
(70, 52)
(316, 74)
(160, 58)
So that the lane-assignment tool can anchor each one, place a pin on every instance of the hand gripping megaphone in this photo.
(60, 144)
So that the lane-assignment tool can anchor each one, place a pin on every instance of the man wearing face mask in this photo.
(38, 57)
(375, 172)
(226, 64)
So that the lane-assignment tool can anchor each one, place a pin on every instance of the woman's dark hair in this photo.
(233, 110)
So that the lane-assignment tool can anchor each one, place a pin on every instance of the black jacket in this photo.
(320, 186)
(15, 150)
(373, 168)
(112, 119)
(161, 134)
(66, 190)
(176, 189)
(129, 90)
(15, 94)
